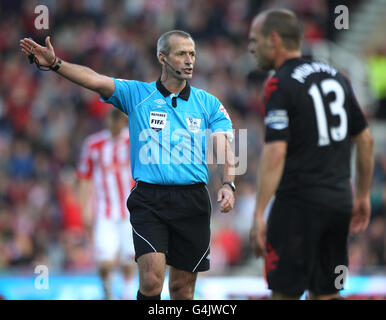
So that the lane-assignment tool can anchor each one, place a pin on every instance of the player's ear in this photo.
(275, 39)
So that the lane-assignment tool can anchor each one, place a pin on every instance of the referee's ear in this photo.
(161, 58)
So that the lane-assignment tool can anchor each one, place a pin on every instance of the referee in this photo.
(170, 123)
(312, 119)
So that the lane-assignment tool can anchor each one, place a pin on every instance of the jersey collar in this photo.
(184, 94)
(291, 60)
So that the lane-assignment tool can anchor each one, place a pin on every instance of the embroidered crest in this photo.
(194, 124)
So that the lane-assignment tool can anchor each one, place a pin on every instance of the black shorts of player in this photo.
(174, 220)
(304, 247)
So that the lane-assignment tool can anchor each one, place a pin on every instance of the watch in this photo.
(231, 184)
(58, 65)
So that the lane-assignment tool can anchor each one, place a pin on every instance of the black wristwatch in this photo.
(231, 184)
(58, 64)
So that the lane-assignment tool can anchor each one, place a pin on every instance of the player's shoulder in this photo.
(96, 138)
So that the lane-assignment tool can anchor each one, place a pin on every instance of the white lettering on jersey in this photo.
(301, 72)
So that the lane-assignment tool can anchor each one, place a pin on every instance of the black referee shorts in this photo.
(174, 220)
(304, 247)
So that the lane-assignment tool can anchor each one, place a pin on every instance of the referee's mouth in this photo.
(187, 71)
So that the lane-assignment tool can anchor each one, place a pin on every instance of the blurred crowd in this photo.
(44, 118)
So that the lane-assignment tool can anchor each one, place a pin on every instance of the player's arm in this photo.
(270, 172)
(364, 173)
(80, 75)
(223, 149)
(272, 161)
(85, 189)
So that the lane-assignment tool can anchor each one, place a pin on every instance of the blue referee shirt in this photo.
(169, 134)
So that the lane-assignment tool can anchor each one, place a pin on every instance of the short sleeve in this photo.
(358, 120)
(85, 166)
(220, 120)
(125, 95)
(276, 112)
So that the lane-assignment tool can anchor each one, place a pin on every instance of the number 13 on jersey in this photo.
(338, 133)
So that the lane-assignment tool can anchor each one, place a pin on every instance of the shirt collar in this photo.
(184, 94)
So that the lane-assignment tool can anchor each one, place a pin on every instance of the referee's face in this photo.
(260, 47)
(182, 56)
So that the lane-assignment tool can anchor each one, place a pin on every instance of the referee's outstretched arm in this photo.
(80, 75)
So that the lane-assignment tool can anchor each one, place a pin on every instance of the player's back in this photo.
(312, 106)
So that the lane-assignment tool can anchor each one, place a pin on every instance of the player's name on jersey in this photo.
(301, 72)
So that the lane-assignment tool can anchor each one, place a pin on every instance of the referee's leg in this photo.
(181, 284)
(151, 268)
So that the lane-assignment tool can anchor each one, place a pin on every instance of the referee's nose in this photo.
(189, 60)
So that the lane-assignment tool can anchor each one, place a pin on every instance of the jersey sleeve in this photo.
(220, 121)
(276, 111)
(125, 96)
(85, 166)
(358, 120)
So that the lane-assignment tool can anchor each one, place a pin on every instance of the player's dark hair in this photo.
(286, 24)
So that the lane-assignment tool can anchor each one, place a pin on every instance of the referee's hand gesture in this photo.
(226, 197)
(44, 55)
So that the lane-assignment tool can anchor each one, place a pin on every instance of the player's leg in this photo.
(181, 284)
(151, 269)
(333, 296)
(287, 258)
(106, 249)
(105, 270)
(332, 252)
(127, 256)
(128, 272)
(282, 296)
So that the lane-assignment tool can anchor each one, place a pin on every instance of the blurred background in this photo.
(44, 119)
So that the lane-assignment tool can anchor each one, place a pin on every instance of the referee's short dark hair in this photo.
(286, 24)
(163, 44)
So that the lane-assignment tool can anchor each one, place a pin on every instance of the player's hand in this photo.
(258, 237)
(227, 198)
(45, 55)
(360, 215)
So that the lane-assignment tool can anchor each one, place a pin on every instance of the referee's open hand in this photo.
(227, 198)
(45, 55)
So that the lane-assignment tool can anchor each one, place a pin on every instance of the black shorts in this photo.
(304, 246)
(174, 220)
